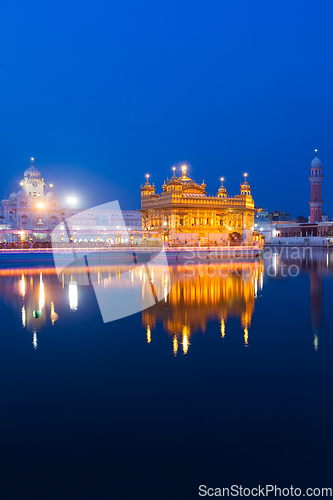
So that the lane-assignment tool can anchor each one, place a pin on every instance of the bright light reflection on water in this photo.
(229, 343)
(200, 293)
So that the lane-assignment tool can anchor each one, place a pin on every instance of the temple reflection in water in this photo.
(199, 294)
(203, 293)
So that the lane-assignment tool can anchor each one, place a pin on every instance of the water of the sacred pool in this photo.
(225, 380)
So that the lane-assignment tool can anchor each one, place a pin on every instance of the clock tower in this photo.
(316, 200)
(32, 182)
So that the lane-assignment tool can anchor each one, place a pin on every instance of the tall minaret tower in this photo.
(316, 201)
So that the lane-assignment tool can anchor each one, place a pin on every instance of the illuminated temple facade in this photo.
(184, 214)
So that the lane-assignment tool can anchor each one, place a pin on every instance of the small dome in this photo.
(12, 196)
(20, 194)
(174, 180)
(316, 162)
(222, 192)
(51, 196)
(32, 171)
(245, 186)
(222, 187)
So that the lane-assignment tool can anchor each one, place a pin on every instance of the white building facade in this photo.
(35, 211)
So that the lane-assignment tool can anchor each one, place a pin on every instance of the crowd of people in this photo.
(25, 244)
(82, 244)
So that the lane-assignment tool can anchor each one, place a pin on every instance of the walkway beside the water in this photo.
(40, 255)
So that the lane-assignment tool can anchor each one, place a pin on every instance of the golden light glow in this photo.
(175, 345)
(41, 303)
(166, 291)
(53, 316)
(208, 293)
(51, 185)
(222, 328)
(315, 342)
(186, 341)
(40, 205)
(184, 170)
(246, 336)
(148, 334)
(22, 285)
(24, 316)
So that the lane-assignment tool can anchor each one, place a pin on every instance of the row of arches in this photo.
(29, 223)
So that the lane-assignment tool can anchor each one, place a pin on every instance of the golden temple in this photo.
(183, 214)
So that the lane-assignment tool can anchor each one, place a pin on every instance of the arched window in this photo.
(24, 221)
(53, 221)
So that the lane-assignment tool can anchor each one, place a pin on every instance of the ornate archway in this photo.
(235, 239)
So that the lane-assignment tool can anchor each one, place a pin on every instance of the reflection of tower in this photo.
(316, 305)
(316, 179)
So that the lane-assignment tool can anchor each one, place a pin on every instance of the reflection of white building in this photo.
(31, 211)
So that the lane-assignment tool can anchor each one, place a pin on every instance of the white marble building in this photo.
(30, 208)
(35, 210)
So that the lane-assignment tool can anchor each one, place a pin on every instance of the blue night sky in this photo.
(103, 92)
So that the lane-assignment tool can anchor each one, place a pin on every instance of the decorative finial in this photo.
(316, 151)
(147, 177)
(245, 175)
(184, 170)
(32, 161)
(222, 179)
(51, 186)
(174, 170)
